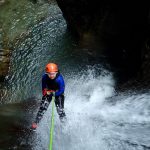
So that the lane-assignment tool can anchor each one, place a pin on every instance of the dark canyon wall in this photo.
(122, 27)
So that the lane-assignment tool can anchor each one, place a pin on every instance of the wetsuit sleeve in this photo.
(44, 82)
(61, 85)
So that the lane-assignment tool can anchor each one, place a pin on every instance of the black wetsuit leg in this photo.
(59, 102)
(43, 107)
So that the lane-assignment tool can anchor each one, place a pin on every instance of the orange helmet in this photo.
(51, 67)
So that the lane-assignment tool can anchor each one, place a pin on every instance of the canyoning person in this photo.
(52, 85)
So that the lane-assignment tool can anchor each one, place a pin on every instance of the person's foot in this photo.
(63, 117)
(34, 126)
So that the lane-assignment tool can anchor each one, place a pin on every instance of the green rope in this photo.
(52, 125)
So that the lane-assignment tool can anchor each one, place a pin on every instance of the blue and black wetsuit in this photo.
(56, 85)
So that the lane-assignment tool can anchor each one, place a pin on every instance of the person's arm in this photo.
(44, 90)
(61, 84)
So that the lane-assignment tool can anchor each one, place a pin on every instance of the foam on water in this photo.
(96, 122)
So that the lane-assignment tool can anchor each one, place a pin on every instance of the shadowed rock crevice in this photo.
(121, 27)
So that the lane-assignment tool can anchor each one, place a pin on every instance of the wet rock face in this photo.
(121, 26)
(17, 119)
(4, 61)
(2, 2)
(4, 55)
(15, 21)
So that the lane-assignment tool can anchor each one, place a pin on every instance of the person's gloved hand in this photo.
(44, 92)
(52, 94)
(49, 93)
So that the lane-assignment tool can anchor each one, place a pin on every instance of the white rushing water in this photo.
(85, 96)
(97, 121)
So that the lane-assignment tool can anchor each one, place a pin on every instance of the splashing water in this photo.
(97, 119)
(85, 95)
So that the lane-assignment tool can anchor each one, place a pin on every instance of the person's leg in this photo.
(43, 107)
(59, 102)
